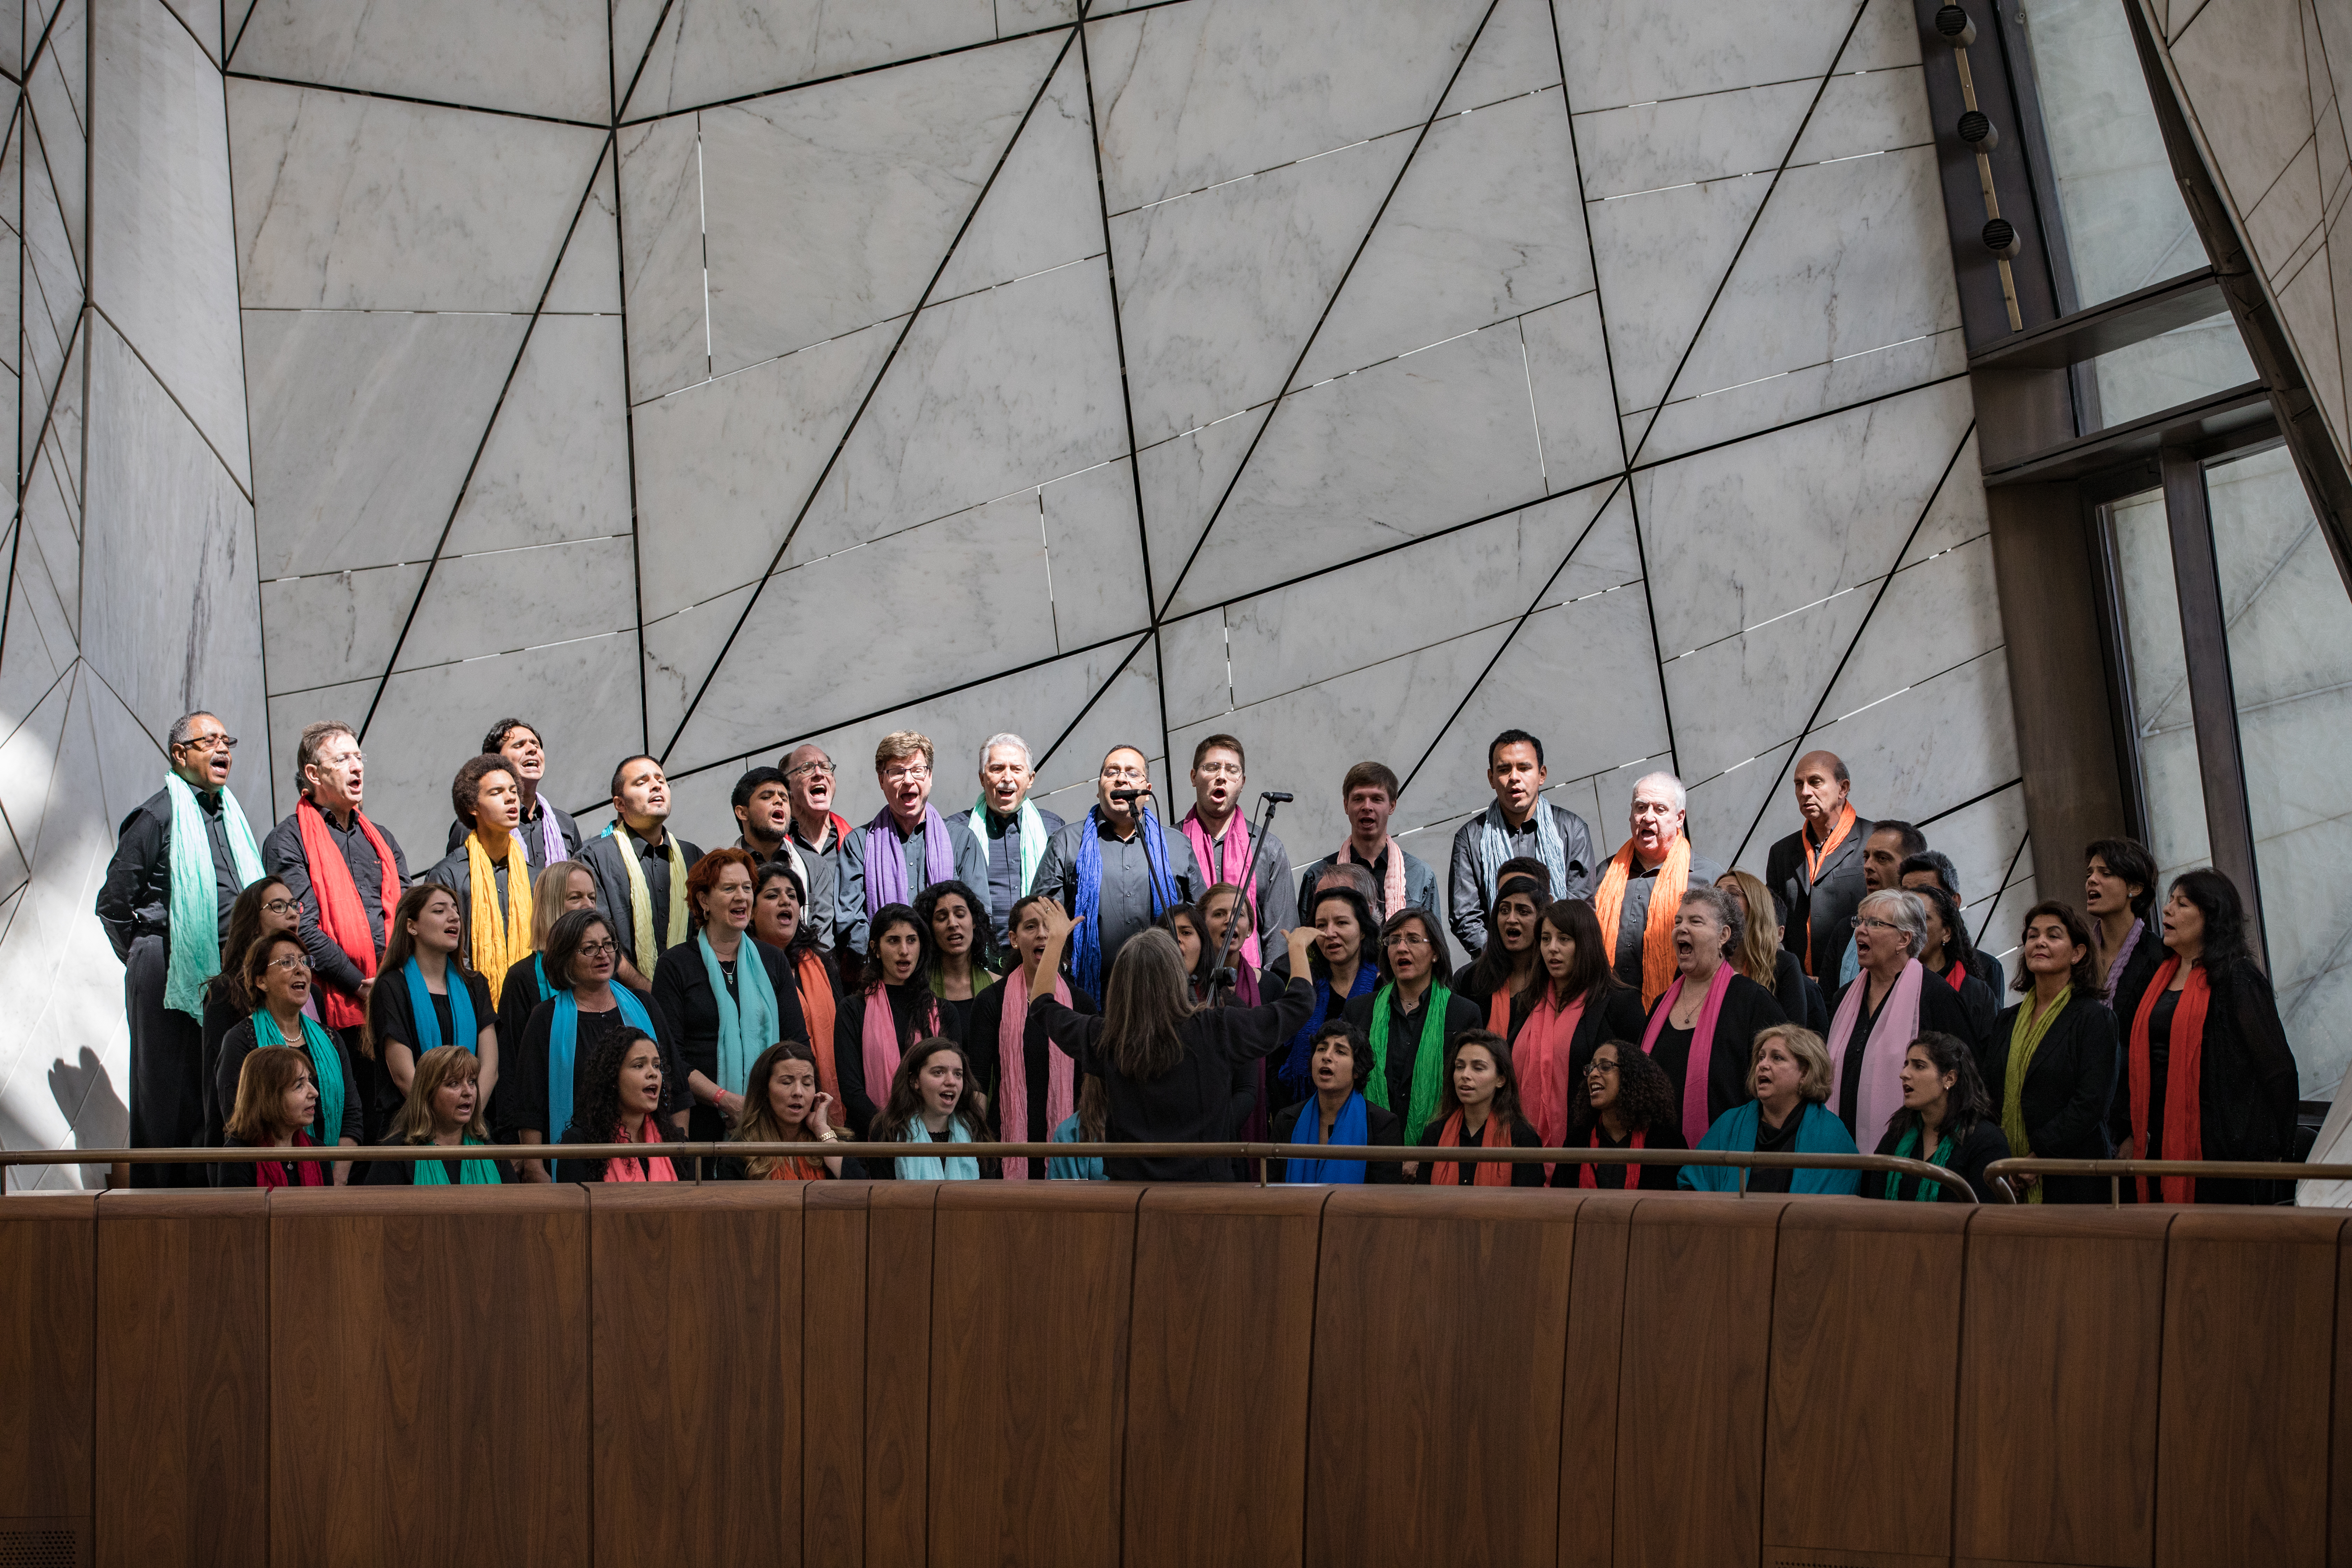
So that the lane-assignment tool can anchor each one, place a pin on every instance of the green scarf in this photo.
(1032, 839)
(1929, 1192)
(196, 954)
(641, 912)
(470, 1172)
(1428, 1062)
(326, 1070)
(2024, 1039)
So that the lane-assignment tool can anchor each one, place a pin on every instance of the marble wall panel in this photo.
(1189, 96)
(1996, 923)
(827, 210)
(2256, 114)
(51, 507)
(1624, 149)
(1934, 615)
(56, 90)
(507, 601)
(555, 467)
(1014, 16)
(682, 649)
(1196, 667)
(1982, 839)
(11, 37)
(1042, 209)
(1736, 814)
(29, 759)
(662, 284)
(164, 267)
(1745, 694)
(346, 201)
(1094, 555)
(1661, 255)
(708, 50)
(363, 425)
(1484, 227)
(1638, 54)
(632, 23)
(1944, 741)
(53, 296)
(1517, 51)
(1691, 421)
(331, 627)
(1184, 482)
(588, 278)
(2307, 309)
(1436, 438)
(530, 57)
(204, 24)
(1567, 350)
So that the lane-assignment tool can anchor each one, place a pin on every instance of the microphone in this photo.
(1277, 797)
(1129, 796)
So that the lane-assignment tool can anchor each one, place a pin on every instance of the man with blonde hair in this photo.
(906, 846)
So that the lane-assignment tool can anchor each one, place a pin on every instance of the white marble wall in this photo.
(1361, 376)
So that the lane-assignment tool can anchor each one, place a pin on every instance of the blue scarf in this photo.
(1086, 944)
(194, 935)
(429, 1021)
(1295, 1065)
(470, 1172)
(563, 1050)
(1349, 1129)
(748, 1023)
(932, 1167)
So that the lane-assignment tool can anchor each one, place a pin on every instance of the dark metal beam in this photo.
(2118, 324)
(2239, 409)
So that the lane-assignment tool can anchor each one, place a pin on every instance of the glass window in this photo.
(2159, 662)
(2181, 366)
(2288, 623)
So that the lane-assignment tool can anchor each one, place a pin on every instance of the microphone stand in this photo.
(1221, 978)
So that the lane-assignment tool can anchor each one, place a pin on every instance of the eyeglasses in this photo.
(1408, 939)
(293, 964)
(604, 949)
(1874, 923)
(1123, 775)
(823, 768)
(1596, 1069)
(907, 773)
(209, 743)
(281, 906)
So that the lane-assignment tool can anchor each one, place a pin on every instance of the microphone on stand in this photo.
(1277, 796)
(1129, 796)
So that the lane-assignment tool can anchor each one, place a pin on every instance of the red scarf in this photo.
(1491, 1173)
(1585, 1175)
(1957, 975)
(2184, 1115)
(816, 1012)
(309, 1173)
(341, 914)
(1540, 1055)
(655, 1169)
(1815, 859)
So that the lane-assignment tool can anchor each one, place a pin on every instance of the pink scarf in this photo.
(1880, 1094)
(1230, 867)
(1391, 881)
(878, 1042)
(1539, 1056)
(1702, 1048)
(655, 1169)
(1012, 1069)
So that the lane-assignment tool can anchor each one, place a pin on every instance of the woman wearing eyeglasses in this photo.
(1888, 1006)
(1413, 1020)
(589, 1012)
(277, 974)
(1628, 1103)
(266, 909)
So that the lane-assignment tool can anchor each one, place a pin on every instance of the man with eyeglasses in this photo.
(817, 831)
(180, 861)
(908, 845)
(1116, 869)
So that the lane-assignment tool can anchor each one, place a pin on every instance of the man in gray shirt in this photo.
(1124, 899)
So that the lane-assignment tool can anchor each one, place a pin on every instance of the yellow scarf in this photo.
(498, 944)
(1657, 922)
(641, 899)
(2024, 1039)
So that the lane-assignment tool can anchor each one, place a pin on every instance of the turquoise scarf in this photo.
(429, 1021)
(932, 1167)
(563, 1050)
(471, 1173)
(196, 954)
(326, 1070)
(1929, 1192)
(748, 1023)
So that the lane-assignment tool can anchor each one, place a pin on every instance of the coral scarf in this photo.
(194, 933)
(886, 859)
(655, 1168)
(1491, 1173)
(1817, 859)
(878, 1041)
(816, 1012)
(2184, 1077)
(1657, 922)
(1230, 865)
(1880, 1094)
(342, 915)
(1590, 1175)
(1012, 1069)
(1702, 1048)
(1540, 1057)
(499, 939)
(1391, 879)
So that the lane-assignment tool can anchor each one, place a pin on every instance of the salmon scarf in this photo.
(1817, 859)
(1391, 879)
(655, 1168)
(1657, 922)
(2184, 1114)
(1491, 1173)
(1541, 1054)
(1012, 1069)
(1226, 863)
(499, 939)
(878, 1040)
(817, 1012)
(342, 915)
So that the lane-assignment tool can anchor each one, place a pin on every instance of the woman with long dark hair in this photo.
(1628, 1103)
(1945, 953)
(1946, 1119)
(425, 996)
(1579, 1002)
(1337, 1112)
(2050, 1067)
(1480, 1106)
(783, 1104)
(1030, 1088)
(963, 963)
(1167, 1064)
(1504, 979)
(1344, 964)
(445, 1108)
(591, 1009)
(1410, 1022)
(723, 995)
(929, 1105)
(779, 919)
(2207, 1071)
(621, 1102)
(1221, 906)
(875, 1024)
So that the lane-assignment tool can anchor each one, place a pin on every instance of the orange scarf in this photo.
(816, 1012)
(1491, 1173)
(1658, 922)
(2184, 1112)
(1817, 859)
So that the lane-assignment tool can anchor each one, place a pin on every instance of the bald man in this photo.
(1817, 870)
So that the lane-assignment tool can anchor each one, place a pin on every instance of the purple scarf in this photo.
(551, 837)
(2123, 956)
(885, 874)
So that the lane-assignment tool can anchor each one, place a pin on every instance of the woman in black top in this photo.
(1342, 1063)
(962, 963)
(1506, 980)
(897, 951)
(621, 1100)
(581, 959)
(444, 1109)
(1021, 1114)
(1765, 959)
(1945, 953)
(719, 901)
(2050, 1067)
(1416, 971)
(783, 1104)
(1945, 1120)
(1167, 1066)
(265, 908)
(277, 976)
(1480, 1108)
(421, 948)
(555, 892)
(1627, 1103)
(277, 1101)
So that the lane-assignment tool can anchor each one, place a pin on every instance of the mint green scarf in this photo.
(1033, 841)
(195, 901)
(471, 1173)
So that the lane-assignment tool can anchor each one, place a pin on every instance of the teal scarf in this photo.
(427, 1018)
(195, 956)
(932, 1167)
(471, 1173)
(326, 1070)
(563, 1050)
(1929, 1192)
(748, 1023)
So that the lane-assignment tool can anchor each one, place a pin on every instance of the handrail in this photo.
(1260, 1153)
(2116, 1170)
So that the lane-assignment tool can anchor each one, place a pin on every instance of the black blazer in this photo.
(1798, 994)
(2248, 1086)
(1827, 908)
(1983, 1144)
(2066, 1092)
(1619, 1018)
(1383, 1129)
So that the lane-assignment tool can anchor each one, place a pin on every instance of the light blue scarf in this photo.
(326, 1071)
(748, 1023)
(933, 1167)
(1495, 847)
(563, 1050)
(429, 1021)
(196, 954)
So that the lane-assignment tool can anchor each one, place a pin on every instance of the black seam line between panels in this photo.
(190, 31)
(157, 377)
(1140, 635)
(1125, 395)
(228, 45)
(457, 502)
(1650, 614)
(1801, 419)
(1978, 799)
(2008, 881)
(1505, 645)
(816, 487)
(617, 96)
(1337, 289)
(782, 88)
(1812, 720)
(1795, 140)
(636, 74)
(411, 97)
(1591, 252)
(48, 418)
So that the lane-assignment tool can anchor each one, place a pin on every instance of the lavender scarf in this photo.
(886, 872)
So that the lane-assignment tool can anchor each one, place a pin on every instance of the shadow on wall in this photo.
(92, 1105)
